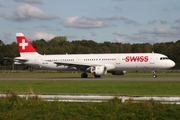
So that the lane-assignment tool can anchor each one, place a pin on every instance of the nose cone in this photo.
(172, 63)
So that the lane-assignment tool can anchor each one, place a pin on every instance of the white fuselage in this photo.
(125, 61)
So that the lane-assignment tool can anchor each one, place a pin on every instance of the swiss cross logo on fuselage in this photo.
(23, 44)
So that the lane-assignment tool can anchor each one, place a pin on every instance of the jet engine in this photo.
(118, 72)
(97, 71)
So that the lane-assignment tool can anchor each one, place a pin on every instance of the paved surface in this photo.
(173, 79)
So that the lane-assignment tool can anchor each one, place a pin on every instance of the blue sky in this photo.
(126, 21)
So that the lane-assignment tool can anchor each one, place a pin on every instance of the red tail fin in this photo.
(23, 44)
(25, 47)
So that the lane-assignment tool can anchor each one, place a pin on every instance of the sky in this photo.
(125, 21)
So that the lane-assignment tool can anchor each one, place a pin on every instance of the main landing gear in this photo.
(97, 76)
(154, 74)
(84, 75)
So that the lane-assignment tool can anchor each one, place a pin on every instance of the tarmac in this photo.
(129, 79)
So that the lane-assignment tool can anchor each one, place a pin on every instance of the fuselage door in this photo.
(118, 61)
(78, 59)
(152, 59)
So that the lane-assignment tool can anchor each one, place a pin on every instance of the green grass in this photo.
(88, 86)
(92, 87)
(15, 108)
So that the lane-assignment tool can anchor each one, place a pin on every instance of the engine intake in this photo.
(118, 72)
(98, 70)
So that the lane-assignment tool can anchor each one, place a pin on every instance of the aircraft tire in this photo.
(154, 76)
(97, 76)
(84, 75)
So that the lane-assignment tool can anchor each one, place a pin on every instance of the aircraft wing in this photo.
(84, 66)
(79, 65)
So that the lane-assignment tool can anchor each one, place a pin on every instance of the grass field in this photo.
(15, 108)
(88, 86)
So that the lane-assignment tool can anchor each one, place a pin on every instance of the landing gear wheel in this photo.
(154, 74)
(84, 75)
(97, 76)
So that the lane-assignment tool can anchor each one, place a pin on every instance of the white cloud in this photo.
(26, 13)
(156, 31)
(120, 40)
(128, 21)
(29, 1)
(162, 22)
(84, 22)
(119, 33)
(161, 31)
(108, 18)
(43, 35)
(138, 37)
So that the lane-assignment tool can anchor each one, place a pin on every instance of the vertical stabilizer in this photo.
(24, 46)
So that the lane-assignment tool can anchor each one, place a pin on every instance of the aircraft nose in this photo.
(173, 63)
(170, 64)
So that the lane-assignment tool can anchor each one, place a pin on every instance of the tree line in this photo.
(60, 45)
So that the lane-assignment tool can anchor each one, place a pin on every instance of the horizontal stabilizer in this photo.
(20, 59)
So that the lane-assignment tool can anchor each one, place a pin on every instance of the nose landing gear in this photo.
(154, 74)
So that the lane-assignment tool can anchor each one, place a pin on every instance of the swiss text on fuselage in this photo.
(136, 59)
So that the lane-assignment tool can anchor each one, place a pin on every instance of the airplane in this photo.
(97, 64)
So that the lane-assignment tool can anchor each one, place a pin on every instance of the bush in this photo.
(14, 107)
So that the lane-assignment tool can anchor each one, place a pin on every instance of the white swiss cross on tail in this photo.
(25, 47)
(23, 44)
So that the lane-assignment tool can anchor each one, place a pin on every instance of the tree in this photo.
(40, 46)
(126, 48)
(60, 45)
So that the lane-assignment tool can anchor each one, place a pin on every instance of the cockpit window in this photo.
(164, 58)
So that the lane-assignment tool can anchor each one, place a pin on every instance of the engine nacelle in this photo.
(98, 70)
(118, 72)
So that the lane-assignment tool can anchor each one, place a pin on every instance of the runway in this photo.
(128, 79)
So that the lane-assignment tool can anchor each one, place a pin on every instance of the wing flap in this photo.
(84, 66)
(76, 64)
